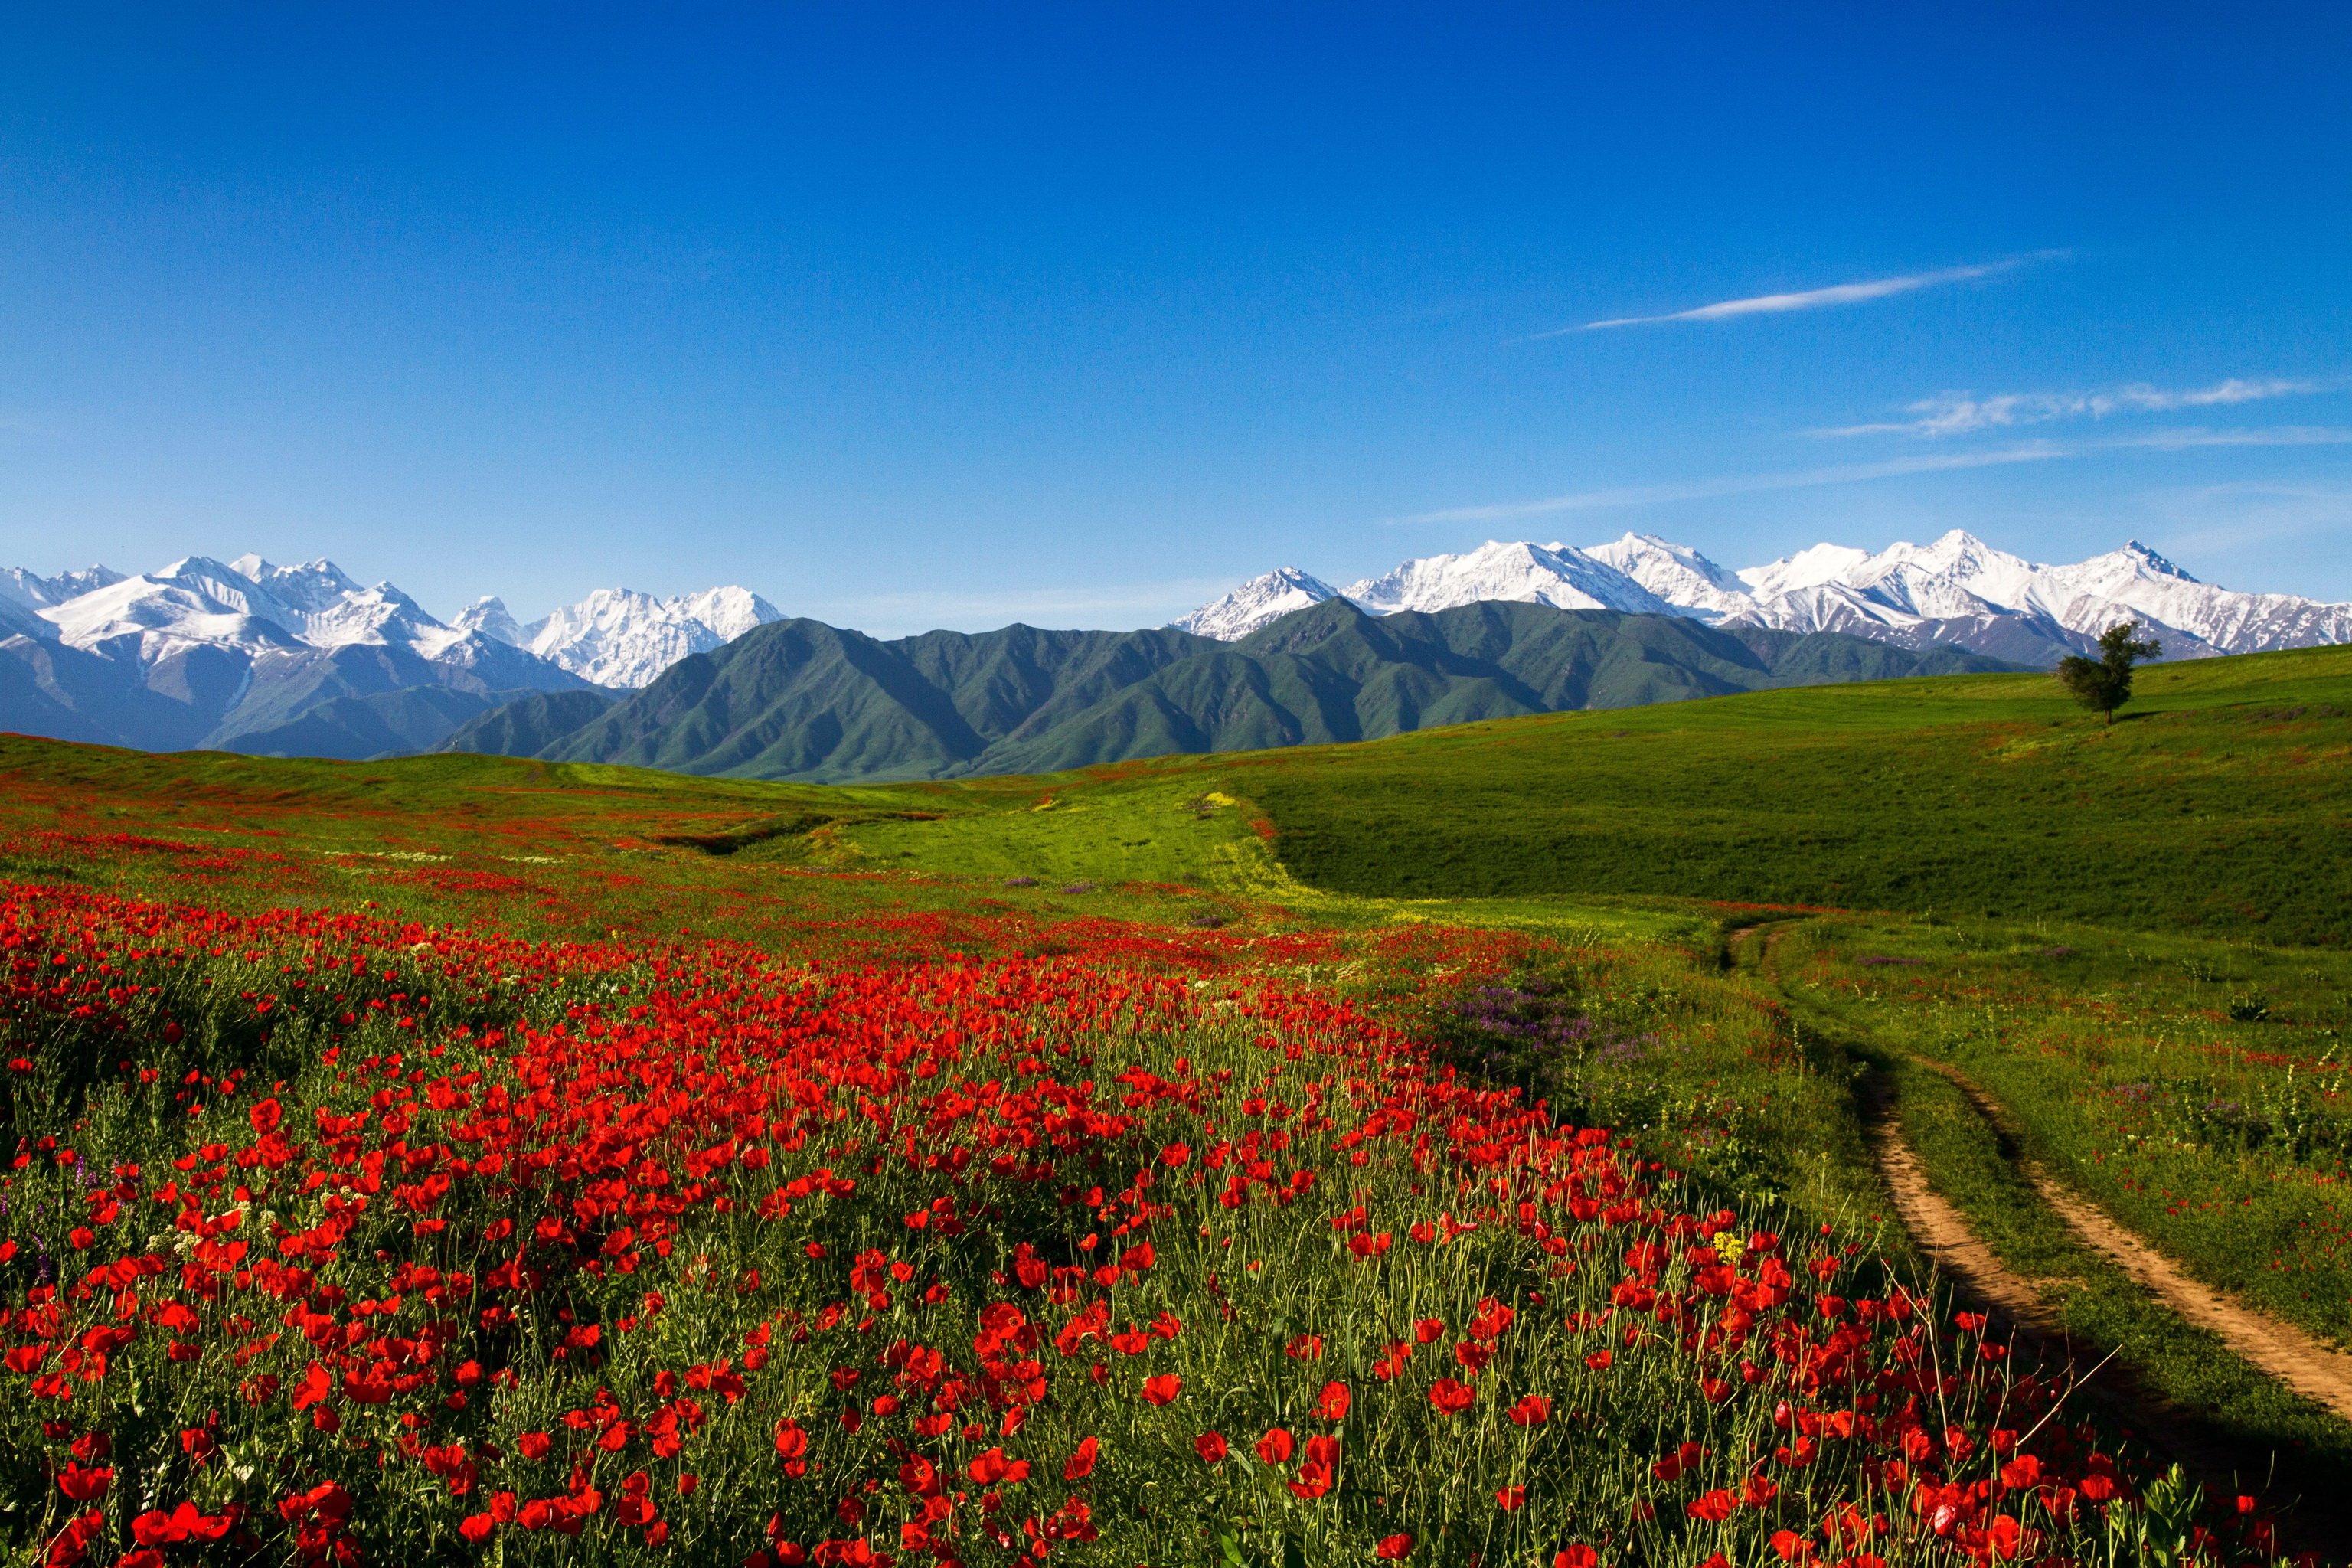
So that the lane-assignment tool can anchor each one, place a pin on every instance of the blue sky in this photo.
(909, 316)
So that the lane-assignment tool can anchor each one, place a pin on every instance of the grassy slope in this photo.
(2220, 804)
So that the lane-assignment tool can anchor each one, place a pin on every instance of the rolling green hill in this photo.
(2220, 802)
(800, 700)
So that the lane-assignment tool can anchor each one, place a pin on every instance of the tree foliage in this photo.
(2103, 684)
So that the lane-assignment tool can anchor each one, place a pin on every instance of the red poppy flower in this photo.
(1510, 1499)
(81, 1485)
(1684, 1458)
(1161, 1389)
(993, 1469)
(1450, 1396)
(1532, 1410)
(1210, 1446)
(1274, 1448)
(1082, 1463)
(1393, 1547)
(1333, 1404)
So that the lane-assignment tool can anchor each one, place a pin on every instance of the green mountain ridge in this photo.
(800, 701)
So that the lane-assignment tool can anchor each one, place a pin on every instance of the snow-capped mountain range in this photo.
(613, 637)
(248, 656)
(1957, 590)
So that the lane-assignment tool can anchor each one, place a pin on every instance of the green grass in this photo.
(2220, 804)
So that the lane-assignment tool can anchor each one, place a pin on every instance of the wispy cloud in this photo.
(1138, 603)
(1813, 298)
(1965, 413)
(1739, 484)
(2035, 451)
(2232, 518)
(2272, 435)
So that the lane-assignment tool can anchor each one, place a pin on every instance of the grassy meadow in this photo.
(741, 1059)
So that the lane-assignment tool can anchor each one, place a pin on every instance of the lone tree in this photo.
(2105, 682)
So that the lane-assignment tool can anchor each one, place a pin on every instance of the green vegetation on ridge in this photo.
(800, 700)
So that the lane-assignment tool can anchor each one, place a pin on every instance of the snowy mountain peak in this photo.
(1674, 573)
(612, 637)
(1566, 579)
(21, 587)
(617, 637)
(314, 587)
(490, 617)
(729, 611)
(193, 600)
(2152, 561)
(1806, 569)
(1255, 603)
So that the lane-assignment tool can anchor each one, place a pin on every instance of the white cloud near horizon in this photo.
(890, 614)
(1964, 413)
(2036, 451)
(1812, 299)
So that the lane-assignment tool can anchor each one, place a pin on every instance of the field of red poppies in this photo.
(335, 1239)
(502, 1175)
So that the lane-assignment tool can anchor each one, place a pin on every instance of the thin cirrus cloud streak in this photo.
(2036, 451)
(1964, 413)
(1811, 299)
